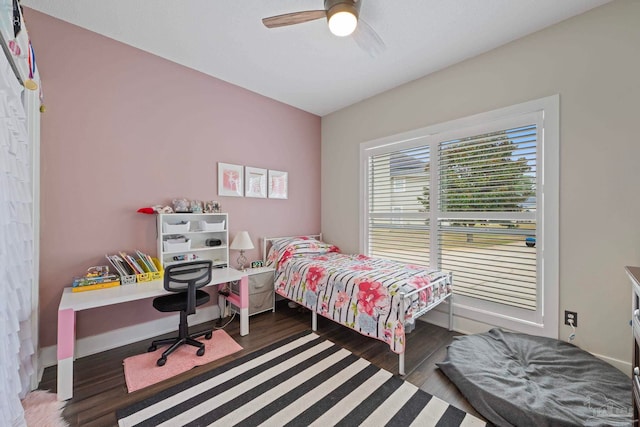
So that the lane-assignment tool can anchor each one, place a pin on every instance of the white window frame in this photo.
(396, 209)
(399, 185)
(545, 113)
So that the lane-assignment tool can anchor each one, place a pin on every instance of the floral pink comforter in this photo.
(359, 292)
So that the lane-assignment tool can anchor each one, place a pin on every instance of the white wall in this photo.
(593, 62)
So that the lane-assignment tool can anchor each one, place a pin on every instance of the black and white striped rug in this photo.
(303, 380)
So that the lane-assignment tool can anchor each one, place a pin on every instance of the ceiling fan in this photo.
(343, 17)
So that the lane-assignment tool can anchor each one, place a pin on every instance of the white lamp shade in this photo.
(242, 241)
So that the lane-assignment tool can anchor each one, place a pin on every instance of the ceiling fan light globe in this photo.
(342, 20)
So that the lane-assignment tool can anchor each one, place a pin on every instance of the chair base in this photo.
(182, 338)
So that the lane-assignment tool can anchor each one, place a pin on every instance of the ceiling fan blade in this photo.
(293, 18)
(368, 39)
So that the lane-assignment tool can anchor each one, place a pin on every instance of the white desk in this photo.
(72, 302)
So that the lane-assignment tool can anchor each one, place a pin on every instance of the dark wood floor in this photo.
(99, 385)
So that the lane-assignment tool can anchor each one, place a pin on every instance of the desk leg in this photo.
(241, 301)
(244, 306)
(66, 344)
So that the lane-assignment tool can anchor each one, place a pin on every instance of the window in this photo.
(396, 218)
(480, 200)
(399, 184)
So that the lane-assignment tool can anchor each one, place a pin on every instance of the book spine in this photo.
(96, 286)
(123, 268)
(113, 263)
(136, 265)
(154, 269)
(132, 263)
(144, 262)
(84, 281)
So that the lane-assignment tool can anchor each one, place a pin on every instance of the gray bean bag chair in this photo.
(524, 380)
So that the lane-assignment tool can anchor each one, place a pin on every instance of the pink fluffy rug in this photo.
(42, 408)
(141, 371)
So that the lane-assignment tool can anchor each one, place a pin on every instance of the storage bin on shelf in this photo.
(144, 277)
(176, 246)
(128, 280)
(211, 226)
(176, 228)
(151, 275)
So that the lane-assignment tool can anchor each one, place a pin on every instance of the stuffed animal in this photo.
(156, 209)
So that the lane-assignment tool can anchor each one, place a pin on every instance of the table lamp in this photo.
(241, 242)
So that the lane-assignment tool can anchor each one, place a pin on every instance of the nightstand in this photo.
(261, 291)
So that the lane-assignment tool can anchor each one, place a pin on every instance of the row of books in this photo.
(95, 278)
(125, 266)
(104, 285)
(129, 265)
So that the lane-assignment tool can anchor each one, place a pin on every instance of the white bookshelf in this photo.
(189, 226)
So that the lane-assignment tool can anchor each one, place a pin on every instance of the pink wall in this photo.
(126, 129)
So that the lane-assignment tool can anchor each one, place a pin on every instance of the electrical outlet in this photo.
(571, 315)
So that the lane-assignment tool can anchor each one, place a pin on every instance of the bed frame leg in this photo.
(401, 364)
(314, 321)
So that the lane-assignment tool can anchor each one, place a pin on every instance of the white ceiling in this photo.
(305, 65)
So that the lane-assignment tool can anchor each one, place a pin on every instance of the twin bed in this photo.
(375, 297)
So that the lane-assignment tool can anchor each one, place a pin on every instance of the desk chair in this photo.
(184, 280)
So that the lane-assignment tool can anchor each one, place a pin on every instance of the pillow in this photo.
(282, 250)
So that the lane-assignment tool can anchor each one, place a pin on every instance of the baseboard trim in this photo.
(127, 335)
(622, 365)
(460, 324)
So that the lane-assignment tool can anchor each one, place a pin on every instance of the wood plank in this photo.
(100, 389)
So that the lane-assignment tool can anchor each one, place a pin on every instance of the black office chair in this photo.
(184, 279)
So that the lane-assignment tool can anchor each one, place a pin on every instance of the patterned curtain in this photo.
(16, 250)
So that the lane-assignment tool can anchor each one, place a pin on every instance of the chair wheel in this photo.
(152, 348)
(208, 336)
(200, 351)
(161, 361)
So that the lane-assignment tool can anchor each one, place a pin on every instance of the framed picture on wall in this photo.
(230, 180)
(255, 181)
(278, 185)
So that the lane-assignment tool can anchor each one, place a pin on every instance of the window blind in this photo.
(398, 208)
(479, 220)
(487, 204)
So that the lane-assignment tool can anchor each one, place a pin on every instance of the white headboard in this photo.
(266, 242)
